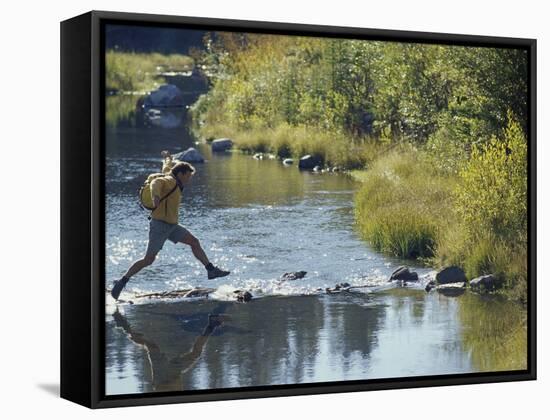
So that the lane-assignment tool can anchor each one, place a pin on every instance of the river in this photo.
(260, 219)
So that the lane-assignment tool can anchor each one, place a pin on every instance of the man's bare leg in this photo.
(196, 248)
(200, 255)
(135, 268)
(139, 265)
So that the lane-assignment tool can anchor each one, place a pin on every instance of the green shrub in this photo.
(490, 204)
(492, 194)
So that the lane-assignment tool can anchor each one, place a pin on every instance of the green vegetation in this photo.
(437, 133)
(294, 141)
(137, 72)
(403, 203)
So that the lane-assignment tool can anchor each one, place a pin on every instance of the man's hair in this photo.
(182, 167)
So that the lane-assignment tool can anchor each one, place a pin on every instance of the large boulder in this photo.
(190, 155)
(309, 162)
(404, 274)
(164, 96)
(486, 283)
(221, 145)
(452, 274)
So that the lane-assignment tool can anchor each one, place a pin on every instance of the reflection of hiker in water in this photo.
(167, 373)
(166, 196)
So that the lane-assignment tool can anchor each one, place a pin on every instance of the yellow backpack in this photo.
(144, 194)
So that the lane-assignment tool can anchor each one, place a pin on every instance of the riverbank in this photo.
(305, 339)
(286, 141)
(141, 72)
(410, 206)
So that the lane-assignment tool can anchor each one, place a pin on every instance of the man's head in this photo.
(183, 171)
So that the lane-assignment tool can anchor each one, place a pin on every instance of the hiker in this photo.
(166, 195)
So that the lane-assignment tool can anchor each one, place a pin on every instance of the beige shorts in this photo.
(160, 231)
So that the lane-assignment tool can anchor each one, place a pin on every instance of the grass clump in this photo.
(402, 204)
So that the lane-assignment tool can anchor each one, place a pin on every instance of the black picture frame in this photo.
(82, 209)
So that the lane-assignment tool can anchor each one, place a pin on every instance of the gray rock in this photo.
(403, 273)
(452, 289)
(317, 169)
(221, 145)
(258, 156)
(309, 162)
(450, 274)
(164, 96)
(288, 161)
(190, 155)
(338, 288)
(294, 275)
(486, 283)
(430, 285)
(243, 295)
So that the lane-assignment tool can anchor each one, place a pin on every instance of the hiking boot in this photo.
(118, 286)
(214, 272)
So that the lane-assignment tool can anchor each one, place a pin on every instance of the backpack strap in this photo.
(164, 198)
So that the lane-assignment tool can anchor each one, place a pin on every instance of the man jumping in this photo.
(164, 222)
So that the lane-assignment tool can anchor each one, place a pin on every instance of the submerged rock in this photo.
(294, 275)
(198, 292)
(190, 155)
(182, 293)
(451, 289)
(221, 145)
(452, 274)
(403, 273)
(340, 287)
(486, 283)
(288, 161)
(161, 118)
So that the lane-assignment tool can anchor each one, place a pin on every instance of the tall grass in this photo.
(403, 203)
(284, 140)
(136, 72)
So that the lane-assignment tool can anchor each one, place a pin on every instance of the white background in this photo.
(29, 117)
